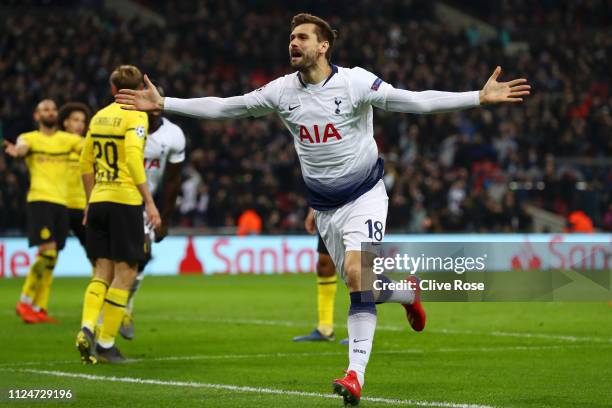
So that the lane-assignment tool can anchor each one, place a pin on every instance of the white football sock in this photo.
(361, 328)
(25, 299)
(105, 344)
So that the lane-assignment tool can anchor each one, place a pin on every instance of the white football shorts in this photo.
(346, 228)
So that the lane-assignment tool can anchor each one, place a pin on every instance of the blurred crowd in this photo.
(469, 171)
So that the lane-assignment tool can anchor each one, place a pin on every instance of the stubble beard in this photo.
(305, 64)
(49, 123)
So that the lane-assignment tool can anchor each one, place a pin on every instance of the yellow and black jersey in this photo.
(76, 193)
(114, 151)
(47, 161)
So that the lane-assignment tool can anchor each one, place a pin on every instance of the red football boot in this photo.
(349, 388)
(26, 313)
(414, 311)
(43, 317)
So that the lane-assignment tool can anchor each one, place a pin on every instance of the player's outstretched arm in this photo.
(16, 150)
(149, 100)
(146, 100)
(401, 100)
(503, 92)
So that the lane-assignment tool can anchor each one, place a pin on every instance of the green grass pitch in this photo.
(225, 341)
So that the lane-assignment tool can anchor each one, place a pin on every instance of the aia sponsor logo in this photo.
(319, 134)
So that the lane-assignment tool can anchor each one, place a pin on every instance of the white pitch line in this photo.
(343, 353)
(562, 337)
(551, 337)
(289, 323)
(306, 354)
(245, 389)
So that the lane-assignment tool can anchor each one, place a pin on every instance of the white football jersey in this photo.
(331, 124)
(166, 144)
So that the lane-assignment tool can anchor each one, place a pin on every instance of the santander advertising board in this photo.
(297, 254)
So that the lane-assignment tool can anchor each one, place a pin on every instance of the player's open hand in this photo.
(10, 149)
(146, 100)
(309, 222)
(498, 92)
(153, 218)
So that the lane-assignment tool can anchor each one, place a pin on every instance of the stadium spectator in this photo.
(579, 222)
(249, 223)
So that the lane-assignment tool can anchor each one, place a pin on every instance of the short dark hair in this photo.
(323, 30)
(68, 108)
(126, 77)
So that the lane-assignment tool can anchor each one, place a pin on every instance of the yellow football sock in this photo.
(44, 260)
(28, 291)
(326, 294)
(114, 308)
(41, 298)
(92, 304)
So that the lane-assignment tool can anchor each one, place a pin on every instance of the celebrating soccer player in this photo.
(328, 110)
(46, 153)
(73, 118)
(115, 185)
(164, 155)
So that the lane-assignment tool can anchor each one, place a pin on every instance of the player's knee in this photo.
(49, 257)
(325, 266)
(104, 269)
(49, 253)
(123, 281)
(124, 276)
(352, 272)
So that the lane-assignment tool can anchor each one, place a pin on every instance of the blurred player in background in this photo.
(74, 118)
(327, 285)
(328, 110)
(164, 155)
(115, 186)
(46, 151)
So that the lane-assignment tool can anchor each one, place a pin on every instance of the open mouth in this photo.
(296, 54)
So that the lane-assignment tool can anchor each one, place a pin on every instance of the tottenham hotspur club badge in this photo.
(337, 102)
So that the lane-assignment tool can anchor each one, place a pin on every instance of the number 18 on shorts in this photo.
(360, 221)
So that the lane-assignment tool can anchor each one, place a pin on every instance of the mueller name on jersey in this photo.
(319, 133)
